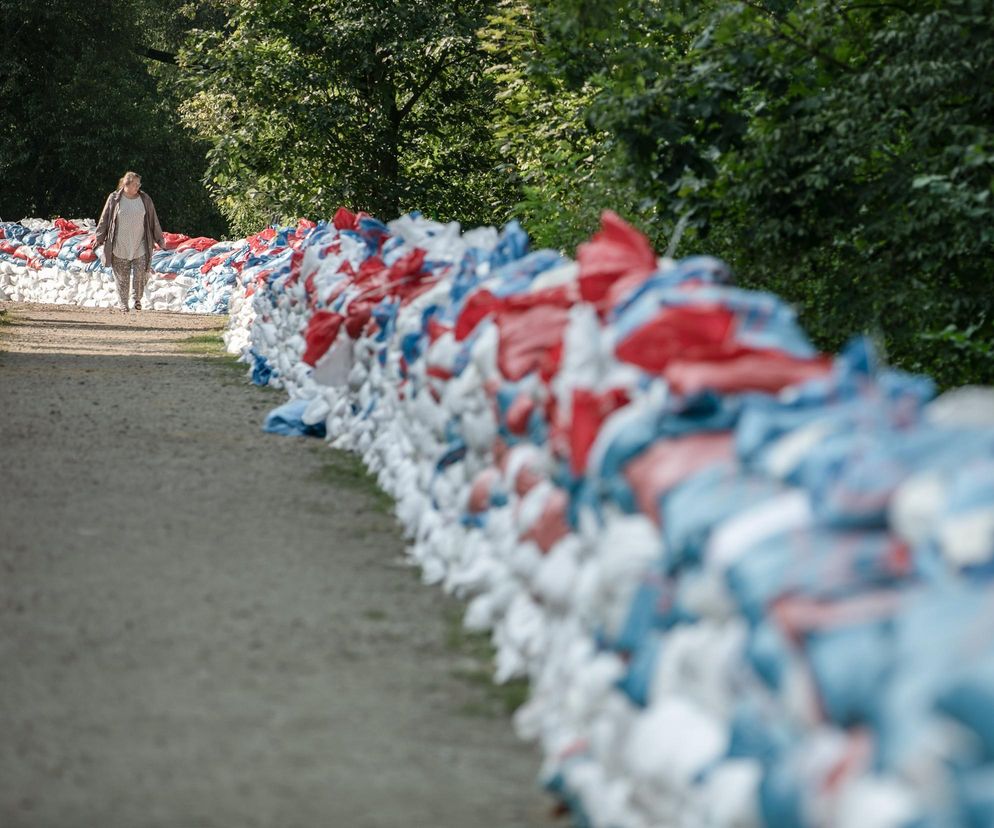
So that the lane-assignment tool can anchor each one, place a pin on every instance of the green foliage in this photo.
(566, 169)
(81, 106)
(346, 471)
(381, 106)
(840, 154)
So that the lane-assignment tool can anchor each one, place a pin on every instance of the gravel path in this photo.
(204, 625)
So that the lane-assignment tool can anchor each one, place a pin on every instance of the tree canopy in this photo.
(839, 153)
(383, 106)
(82, 102)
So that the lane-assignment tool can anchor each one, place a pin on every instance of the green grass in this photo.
(210, 346)
(459, 639)
(343, 470)
(6, 323)
(493, 699)
(205, 343)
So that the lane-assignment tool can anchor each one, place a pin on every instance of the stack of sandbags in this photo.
(57, 263)
(51, 262)
(749, 583)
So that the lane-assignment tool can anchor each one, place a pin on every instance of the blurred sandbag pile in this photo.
(56, 263)
(750, 584)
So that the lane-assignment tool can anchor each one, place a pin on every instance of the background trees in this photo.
(383, 106)
(82, 102)
(839, 152)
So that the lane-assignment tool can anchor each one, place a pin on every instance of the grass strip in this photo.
(210, 346)
(342, 469)
(494, 699)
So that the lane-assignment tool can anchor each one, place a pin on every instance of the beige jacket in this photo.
(107, 227)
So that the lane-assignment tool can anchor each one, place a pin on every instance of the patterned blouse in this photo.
(130, 236)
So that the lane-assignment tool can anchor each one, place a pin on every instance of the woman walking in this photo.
(128, 230)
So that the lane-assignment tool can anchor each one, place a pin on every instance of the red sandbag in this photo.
(667, 462)
(528, 340)
(483, 303)
(345, 219)
(358, 314)
(439, 372)
(370, 270)
(618, 250)
(213, 262)
(321, 332)
(481, 490)
(261, 239)
(173, 240)
(310, 289)
(436, 329)
(406, 276)
(695, 332)
(199, 244)
(551, 525)
(66, 226)
(589, 412)
(519, 413)
(296, 260)
(67, 230)
(478, 307)
(769, 371)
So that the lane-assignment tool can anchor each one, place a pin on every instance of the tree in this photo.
(377, 105)
(566, 169)
(838, 153)
(82, 105)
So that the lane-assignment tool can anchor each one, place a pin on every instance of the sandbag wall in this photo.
(57, 263)
(750, 584)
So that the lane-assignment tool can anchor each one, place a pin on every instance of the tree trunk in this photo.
(390, 198)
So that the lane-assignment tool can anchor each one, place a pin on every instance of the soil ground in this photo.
(205, 625)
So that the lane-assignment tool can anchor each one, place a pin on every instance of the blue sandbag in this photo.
(287, 420)
(817, 563)
(691, 510)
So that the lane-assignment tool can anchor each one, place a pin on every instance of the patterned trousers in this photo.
(122, 275)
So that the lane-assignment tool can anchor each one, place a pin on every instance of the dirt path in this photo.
(204, 625)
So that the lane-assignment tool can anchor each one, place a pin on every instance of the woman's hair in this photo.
(127, 177)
